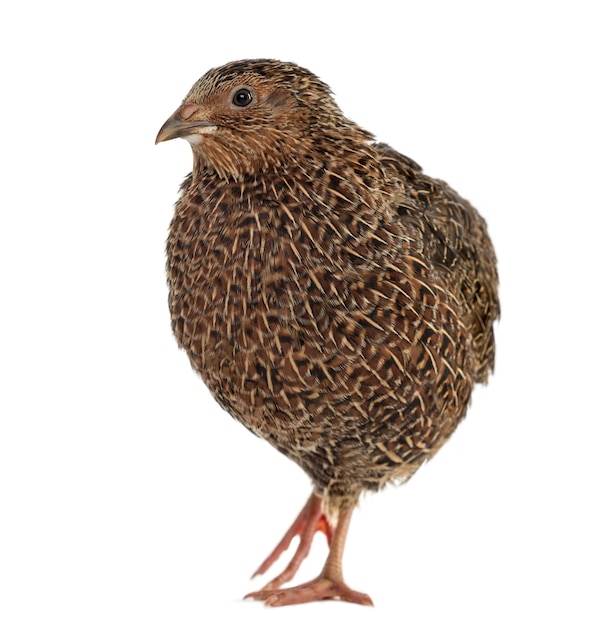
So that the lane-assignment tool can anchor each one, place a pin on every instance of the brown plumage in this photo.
(337, 301)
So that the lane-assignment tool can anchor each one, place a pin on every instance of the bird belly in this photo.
(358, 374)
(354, 405)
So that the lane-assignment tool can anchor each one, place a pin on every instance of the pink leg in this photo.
(308, 523)
(330, 583)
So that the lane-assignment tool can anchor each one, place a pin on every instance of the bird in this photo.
(336, 300)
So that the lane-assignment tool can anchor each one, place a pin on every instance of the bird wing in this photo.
(455, 244)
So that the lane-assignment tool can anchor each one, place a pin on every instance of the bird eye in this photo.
(243, 97)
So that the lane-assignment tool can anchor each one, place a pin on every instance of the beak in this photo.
(185, 121)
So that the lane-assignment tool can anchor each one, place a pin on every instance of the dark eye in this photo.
(243, 97)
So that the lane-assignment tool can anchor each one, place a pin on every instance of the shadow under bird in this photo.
(334, 299)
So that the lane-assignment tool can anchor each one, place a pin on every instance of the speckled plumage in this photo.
(336, 300)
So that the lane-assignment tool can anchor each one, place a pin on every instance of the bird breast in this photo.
(294, 316)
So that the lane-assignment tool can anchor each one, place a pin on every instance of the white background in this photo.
(126, 495)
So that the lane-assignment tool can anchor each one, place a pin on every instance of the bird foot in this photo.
(329, 584)
(308, 523)
(320, 588)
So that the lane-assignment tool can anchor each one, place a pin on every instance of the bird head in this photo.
(253, 115)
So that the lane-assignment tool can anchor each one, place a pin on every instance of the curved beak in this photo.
(185, 121)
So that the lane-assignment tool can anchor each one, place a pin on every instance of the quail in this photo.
(335, 300)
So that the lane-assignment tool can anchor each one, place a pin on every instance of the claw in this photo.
(318, 589)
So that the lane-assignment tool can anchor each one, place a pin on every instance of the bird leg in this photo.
(308, 523)
(330, 583)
